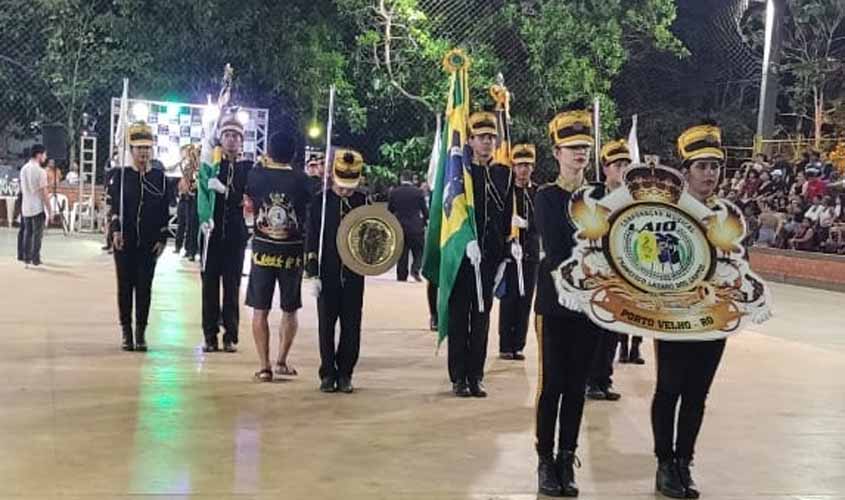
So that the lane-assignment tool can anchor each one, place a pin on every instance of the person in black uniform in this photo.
(139, 227)
(278, 196)
(188, 222)
(685, 370)
(314, 168)
(514, 309)
(407, 203)
(566, 338)
(225, 256)
(468, 327)
(615, 158)
(340, 291)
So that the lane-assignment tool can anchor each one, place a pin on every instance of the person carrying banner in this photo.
(139, 216)
(685, 370)
(224, 257)
(566, 338)
(278, 196)
(514, 307)
(468, 325)
(340, 290)
(615, 158)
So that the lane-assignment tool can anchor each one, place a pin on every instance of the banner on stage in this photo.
(652, 260)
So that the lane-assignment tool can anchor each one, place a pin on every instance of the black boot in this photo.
(547, 481)
(610, 394)
(635, 357)
(140, 339)
(668, 480)
(461, 389)
(684, 471)
(566, 463)
(476, 388)
(595, 393)
(623, 351)
(128, 343)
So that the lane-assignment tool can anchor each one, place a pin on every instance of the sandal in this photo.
(283, 370)
(265, 375)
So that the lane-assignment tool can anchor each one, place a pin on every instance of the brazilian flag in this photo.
(452, 224)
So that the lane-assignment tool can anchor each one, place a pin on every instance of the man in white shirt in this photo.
(35, 209)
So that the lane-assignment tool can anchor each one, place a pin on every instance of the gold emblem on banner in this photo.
(652, 260)
(370, 240)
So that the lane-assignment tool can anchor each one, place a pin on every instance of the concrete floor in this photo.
(79, 419)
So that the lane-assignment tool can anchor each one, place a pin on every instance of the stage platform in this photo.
(82, 420)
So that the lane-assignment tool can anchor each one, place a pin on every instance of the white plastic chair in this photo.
(60, 203)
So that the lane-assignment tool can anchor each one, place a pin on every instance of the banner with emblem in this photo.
(652, 260)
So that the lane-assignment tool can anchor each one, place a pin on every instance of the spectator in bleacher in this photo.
(770, 226)
(804, 238)
(815, 210)
(761, 163)
(816, 186)
(752, 225)
(797, 188)
(750, 186)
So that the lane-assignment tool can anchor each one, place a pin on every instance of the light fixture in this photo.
(242, 117)
(314, 131)
(140, 111)
(210, 113)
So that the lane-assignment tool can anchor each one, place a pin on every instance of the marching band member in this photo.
(566, 339)
(225, 254)
(468, 327)
(685, 370)
(340, 290)
(515, 309)
(615, 157)
(139, 228)
(278, 197)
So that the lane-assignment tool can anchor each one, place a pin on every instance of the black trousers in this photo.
(431, 293)
(468, 328)
(414, 246)
(225, 261)
(192, 227)
(21, 229)
(566, 346)
(515, 311)
(635, 340)
(601, 370)
(136, 267)
(33, 232)
(345, 303)
(685, 371)
(181, 221)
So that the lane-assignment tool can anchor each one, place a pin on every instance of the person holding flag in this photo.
(566, 339)
(515, 303)
(220, 189)
(466, 237)
(139, 216)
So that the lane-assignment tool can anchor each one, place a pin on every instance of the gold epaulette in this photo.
(546, 185)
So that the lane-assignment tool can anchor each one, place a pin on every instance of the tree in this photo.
(814, 46)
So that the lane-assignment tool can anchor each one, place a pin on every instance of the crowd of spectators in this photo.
(790, 205)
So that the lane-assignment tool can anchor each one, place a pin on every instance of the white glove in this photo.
(315, 287)
(474, 253)
(207, 227)
(761, 316)
(519, 222)
(214, 184)
(516, 250)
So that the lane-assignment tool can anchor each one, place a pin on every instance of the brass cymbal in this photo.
(370, 240)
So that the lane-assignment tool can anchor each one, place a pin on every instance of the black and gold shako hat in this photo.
(482, 122)
(347, 167)
(702, 142)
(615, 151)
(140, 134)
(572, 128)
(523, 153)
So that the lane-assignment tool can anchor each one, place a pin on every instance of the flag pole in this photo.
(326, 167)
(124, 117)
(597, 129)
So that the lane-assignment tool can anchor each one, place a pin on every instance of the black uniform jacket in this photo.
(146, 206)
(332, 270)
(557, 238)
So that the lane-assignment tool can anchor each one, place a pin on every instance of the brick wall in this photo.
(800, 268)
